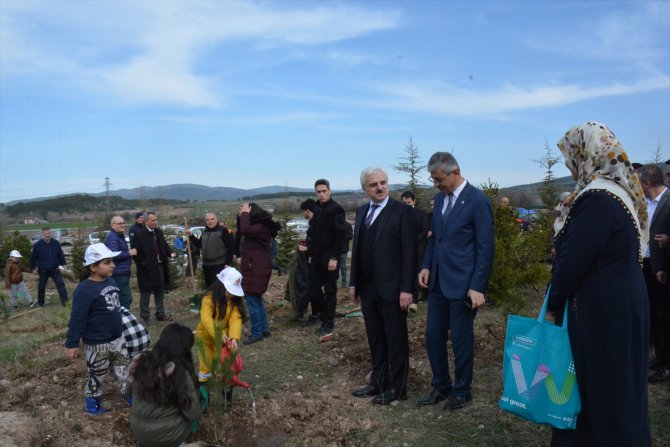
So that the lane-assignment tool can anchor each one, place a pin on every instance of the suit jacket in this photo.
(148, 274)
(462, 246)
(659, 225)
(394, 249)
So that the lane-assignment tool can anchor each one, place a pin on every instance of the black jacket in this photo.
(327, 229)
(146, 260)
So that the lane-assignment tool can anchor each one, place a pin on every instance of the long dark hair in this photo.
(151, 375)
(218, 291)
(258, 214)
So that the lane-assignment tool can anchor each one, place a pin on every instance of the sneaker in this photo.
(163, 317)
(252, 340)
(15, 308)
(33, 303)
(146, 322)
(326, 329)
(312, 320)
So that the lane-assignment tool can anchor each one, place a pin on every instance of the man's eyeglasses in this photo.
(440, 181)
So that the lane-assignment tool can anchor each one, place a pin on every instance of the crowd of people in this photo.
(612, 255)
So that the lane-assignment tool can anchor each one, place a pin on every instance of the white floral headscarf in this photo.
(595, 154)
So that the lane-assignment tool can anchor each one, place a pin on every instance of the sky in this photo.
(255, 93)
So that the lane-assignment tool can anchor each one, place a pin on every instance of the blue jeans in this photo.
(125, 295)
(343, 268)
(446, 314)
(42, 284)
(257, 315)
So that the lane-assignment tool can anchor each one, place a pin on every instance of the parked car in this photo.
(94, 237)
(300, 226)
(61, 235)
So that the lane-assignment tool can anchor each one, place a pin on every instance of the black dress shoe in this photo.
(433, 398)
(366, 391)
(389, 396)
(662, 375)
(456, 402)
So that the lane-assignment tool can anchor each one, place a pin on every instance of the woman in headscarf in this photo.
(600, 237)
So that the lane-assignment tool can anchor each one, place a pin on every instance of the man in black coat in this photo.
(153, 271)
(654, 267)
(383, 270)
(421, 220)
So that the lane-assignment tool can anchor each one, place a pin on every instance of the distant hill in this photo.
(188, 191)
(527, 196)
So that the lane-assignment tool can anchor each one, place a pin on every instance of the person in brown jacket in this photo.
(14, 280)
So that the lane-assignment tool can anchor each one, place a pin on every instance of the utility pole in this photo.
(107, 185)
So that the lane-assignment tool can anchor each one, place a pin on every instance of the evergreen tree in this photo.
(411, 165)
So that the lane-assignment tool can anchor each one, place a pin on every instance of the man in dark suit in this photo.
(654, 267)
(153, 272)
(456, 269)
(421, 221)
(383, 265)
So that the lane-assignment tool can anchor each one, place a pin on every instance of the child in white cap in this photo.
(223, 304)
(96, 320)
(14, 280)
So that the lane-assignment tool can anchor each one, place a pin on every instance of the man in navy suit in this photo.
(456, 270)
(383, 268)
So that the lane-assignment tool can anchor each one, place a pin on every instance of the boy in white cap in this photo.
(14, 280)
(96, 320)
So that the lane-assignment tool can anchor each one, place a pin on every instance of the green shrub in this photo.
(518, 262)
(14, 242)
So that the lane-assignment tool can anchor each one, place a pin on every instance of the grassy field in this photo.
(302, 388)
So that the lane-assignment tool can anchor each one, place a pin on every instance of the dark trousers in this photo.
(159, 296)
(386, 328)
(125, 294)
(210, 272)
(445, 315)
(322, 289)
(653, 293)
(42, 284)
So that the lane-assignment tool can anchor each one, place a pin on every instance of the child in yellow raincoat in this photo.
(223, 302)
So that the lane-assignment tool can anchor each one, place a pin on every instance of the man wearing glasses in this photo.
(116, 241)
(456, 270)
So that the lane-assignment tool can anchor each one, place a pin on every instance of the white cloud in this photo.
(440, 98)
(148, 52)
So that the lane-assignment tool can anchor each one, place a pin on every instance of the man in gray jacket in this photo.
(216, 247)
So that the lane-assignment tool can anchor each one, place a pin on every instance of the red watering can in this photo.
(236, 367)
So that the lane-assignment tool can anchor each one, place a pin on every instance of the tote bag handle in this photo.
(543, 311)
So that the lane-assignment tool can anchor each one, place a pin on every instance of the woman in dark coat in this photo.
(255, 232)
(601, 234)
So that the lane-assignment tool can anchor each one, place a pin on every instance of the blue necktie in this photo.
(450, 205)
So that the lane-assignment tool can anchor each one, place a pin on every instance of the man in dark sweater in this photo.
(216, 247)
(46, 259)
(327, 229)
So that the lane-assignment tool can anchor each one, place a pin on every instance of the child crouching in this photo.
(223, 304)
(166, 399)
(95, 318)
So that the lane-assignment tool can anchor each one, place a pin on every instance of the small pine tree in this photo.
(517, 264)
(77, 254)
(411, 165)
(287, 240)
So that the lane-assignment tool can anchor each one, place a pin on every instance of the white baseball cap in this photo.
(98, 252)
(15, 254)
(232, 281)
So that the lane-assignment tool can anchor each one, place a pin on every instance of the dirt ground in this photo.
(301, 386)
